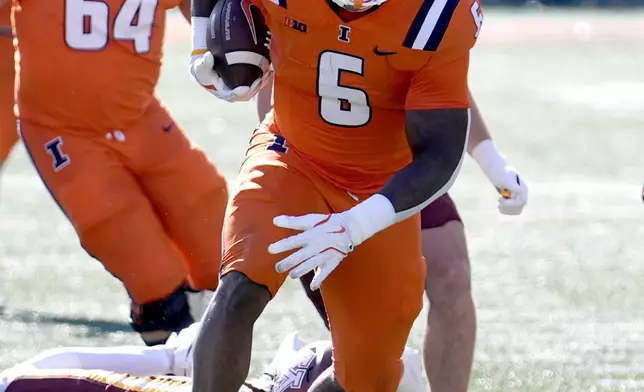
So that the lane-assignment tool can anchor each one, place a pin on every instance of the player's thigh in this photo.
(372, 299)
(111, 214)
(445, 251)
(175, 171)
(448, 264)
(187, 190)
(270, 184)
(439, 212)
(8, 132)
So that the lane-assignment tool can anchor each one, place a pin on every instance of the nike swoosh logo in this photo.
(379, 52)
(326, 219)
(168, 128)
(340, 231)
(245, 5)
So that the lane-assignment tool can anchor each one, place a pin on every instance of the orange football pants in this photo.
(372, 297)
(8, 133)
(144, 201)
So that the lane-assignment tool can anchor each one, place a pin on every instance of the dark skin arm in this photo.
(203, 8)
(437, 139)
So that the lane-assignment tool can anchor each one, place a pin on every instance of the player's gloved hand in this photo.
(512, 188)
(181, 346)
(325, 241)
(202, 70)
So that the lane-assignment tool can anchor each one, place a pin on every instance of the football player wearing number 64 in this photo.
(143, 199)
(370, 124)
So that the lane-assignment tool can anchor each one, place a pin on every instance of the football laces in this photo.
(269, 36)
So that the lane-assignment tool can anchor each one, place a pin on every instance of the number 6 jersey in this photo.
(342, 86)
(108, 50)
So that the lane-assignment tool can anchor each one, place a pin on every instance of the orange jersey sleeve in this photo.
(442, 82)
(440, 85)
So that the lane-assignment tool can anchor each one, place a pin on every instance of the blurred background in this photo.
(565, 3)
(558, 289)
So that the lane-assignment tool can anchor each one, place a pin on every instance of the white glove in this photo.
(512, 188)
(202, 70)
(181, 346)
(325, 242)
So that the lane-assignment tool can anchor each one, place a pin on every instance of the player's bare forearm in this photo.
(437, 139)
(202, 8)
(478, 130)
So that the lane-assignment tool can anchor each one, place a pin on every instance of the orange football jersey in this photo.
(8, 133)
(342, 87)
(5, 14)
(88, 64)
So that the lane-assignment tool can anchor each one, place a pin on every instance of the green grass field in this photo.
(559, 290)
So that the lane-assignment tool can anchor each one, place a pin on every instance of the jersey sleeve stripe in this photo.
(429, 26)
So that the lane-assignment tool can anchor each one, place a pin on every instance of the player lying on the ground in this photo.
(8, 132)
(143, 199)
(294, 368)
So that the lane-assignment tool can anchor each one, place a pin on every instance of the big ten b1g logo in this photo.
(295, 25)
(477, 14)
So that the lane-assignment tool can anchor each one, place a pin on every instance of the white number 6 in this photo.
(340, 105)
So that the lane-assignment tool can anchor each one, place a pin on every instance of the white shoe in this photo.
(291, 344)
(181, 346)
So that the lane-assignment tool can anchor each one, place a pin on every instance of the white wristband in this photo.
(369, 217)
(199, 32)
(489, 158)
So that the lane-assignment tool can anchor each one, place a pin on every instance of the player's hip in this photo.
(272, 182)
(142, 137)
(364, 179)
(82, 106)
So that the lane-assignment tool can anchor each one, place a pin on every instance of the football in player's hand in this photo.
(239, 39)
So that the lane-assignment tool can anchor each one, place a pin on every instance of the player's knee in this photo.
(155, 321)
(240, 297)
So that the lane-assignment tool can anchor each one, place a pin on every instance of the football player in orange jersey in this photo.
(143, 199)
(451, 326)
(8, 133)
(370, 125)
